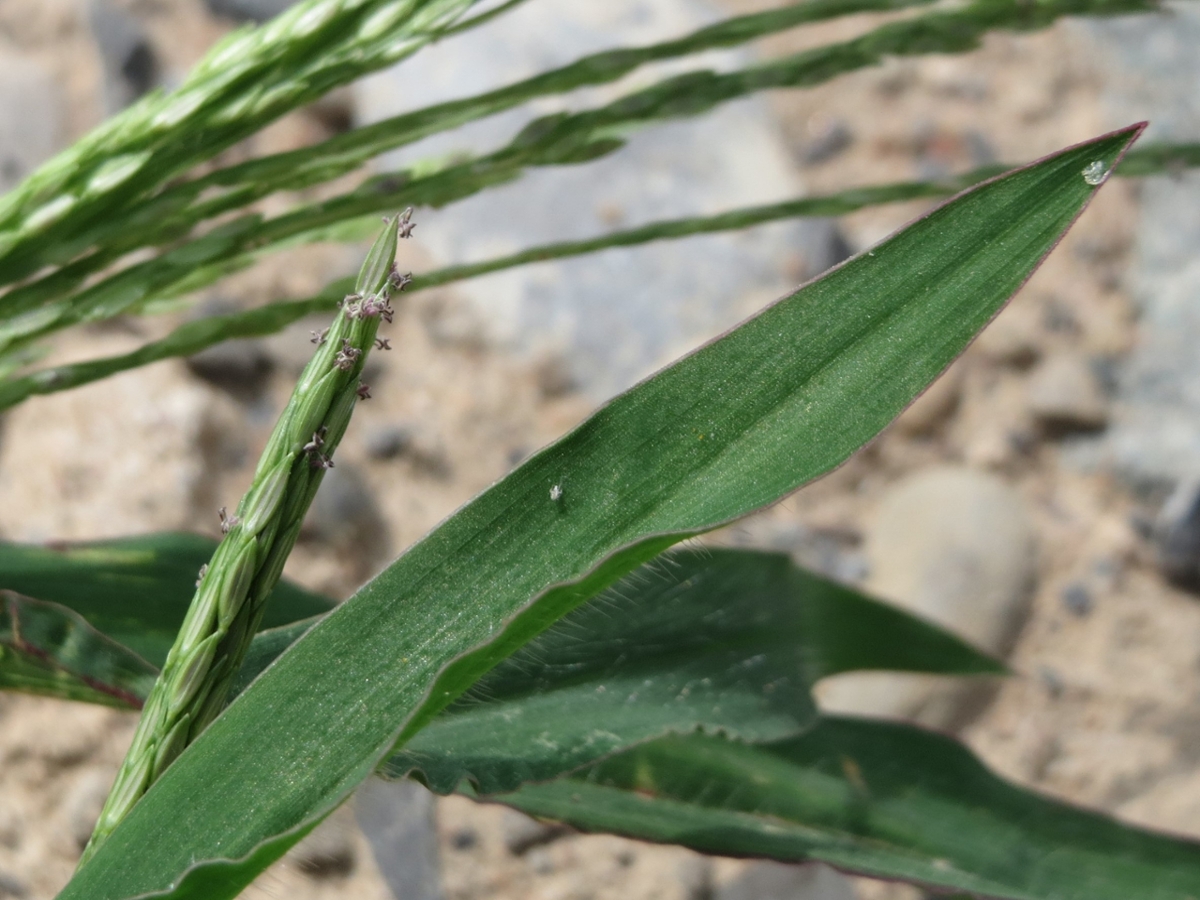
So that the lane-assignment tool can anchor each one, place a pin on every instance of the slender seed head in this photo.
(373, 276)
(227, 608)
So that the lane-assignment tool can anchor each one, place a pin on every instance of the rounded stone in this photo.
(953, 546)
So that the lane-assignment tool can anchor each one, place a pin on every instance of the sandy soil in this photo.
(1101, 710)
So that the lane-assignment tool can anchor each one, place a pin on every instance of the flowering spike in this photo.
(227, 608)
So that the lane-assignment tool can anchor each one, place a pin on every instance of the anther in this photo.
(317, 442)
(406, 225)
(228, 522)
(318, 337)
(363, 391)
(203, 572)
(397, 280)
(347, 356)
(383, 343)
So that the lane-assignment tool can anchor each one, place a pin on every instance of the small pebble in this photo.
(131, 67)
(1064, 395)
(764, 880)
(1052, 681)
(696, 877)
(389, 442)
(1176, 535)
(1077, 599)
(541, 861)
(83, 803)
(249, 10)
(827, 138)
(240, 368)
(328, 852)
(12, 886)
(522, 833)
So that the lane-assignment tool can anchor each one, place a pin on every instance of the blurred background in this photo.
(1042, 499)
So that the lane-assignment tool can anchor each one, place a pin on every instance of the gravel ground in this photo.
(1101, 709)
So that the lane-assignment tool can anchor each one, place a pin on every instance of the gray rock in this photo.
(131, 67)
(328, 851)
(956, 547)
(389, 442)
(1077, 599)
(522, 833)
(344, 514)
(616, 316)
(1065, 395)
(826, 140)
(1177, 536)
(934, 406)
(834, 555)
(83, 803)
(249, 10)
(696, 878)
(12, 886)
(31, 117)
(242, 368)
(1150, 72)
(399, 821)
(404, 441)
(777, 881)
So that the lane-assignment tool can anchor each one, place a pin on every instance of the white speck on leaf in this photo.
(556, 493)
(1095, 173)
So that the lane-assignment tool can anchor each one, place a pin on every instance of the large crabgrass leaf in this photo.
(743, 421)
(883, 799)
(194, 336)
(47, 649)
(135, 590)
(721, 640)
(729, 641)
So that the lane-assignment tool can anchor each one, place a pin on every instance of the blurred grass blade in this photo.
(882, 799)
(175, 209)
(726, 641)
(726, 430)
(559, 139)
(192, 337)
(246, 81)
(134, 590)
(48, 649)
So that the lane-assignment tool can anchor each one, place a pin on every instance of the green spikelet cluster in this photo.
(230, 595)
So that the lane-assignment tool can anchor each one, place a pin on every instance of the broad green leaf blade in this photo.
(882, 799)
(738, 424)
(719, 640)
(134, 590)
(192, 337)
(48, 649)
(723, 640)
